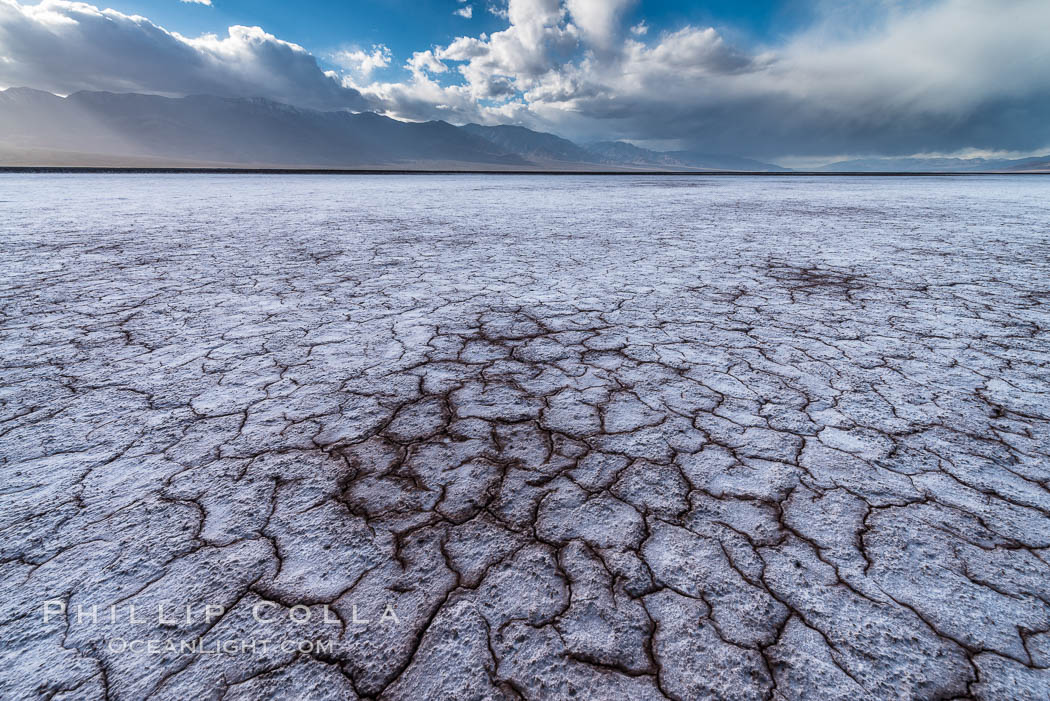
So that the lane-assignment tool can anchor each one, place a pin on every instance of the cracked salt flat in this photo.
(596, 438)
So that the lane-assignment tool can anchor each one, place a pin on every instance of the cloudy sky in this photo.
(774, 79)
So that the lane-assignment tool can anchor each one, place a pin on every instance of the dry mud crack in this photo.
(621, 438)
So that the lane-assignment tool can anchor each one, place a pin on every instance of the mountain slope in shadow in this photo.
(243, 131)
(104, 128)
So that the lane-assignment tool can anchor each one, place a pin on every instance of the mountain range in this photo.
(107, 129)
(110, 129)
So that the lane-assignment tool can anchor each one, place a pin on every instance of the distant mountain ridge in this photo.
(537, 147)
(624, 153)
(134, 130)
(248, 131)
(103, 128)
(937, 165)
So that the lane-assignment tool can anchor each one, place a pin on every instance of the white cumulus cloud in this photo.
(363, 62)
(64, 47)
(598, 20)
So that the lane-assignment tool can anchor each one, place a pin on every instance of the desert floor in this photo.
(539, 437)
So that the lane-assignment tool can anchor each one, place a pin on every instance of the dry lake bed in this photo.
(467, 437)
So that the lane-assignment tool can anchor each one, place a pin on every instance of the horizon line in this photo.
(117, 170)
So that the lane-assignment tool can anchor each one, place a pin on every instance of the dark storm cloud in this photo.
(912, 77)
